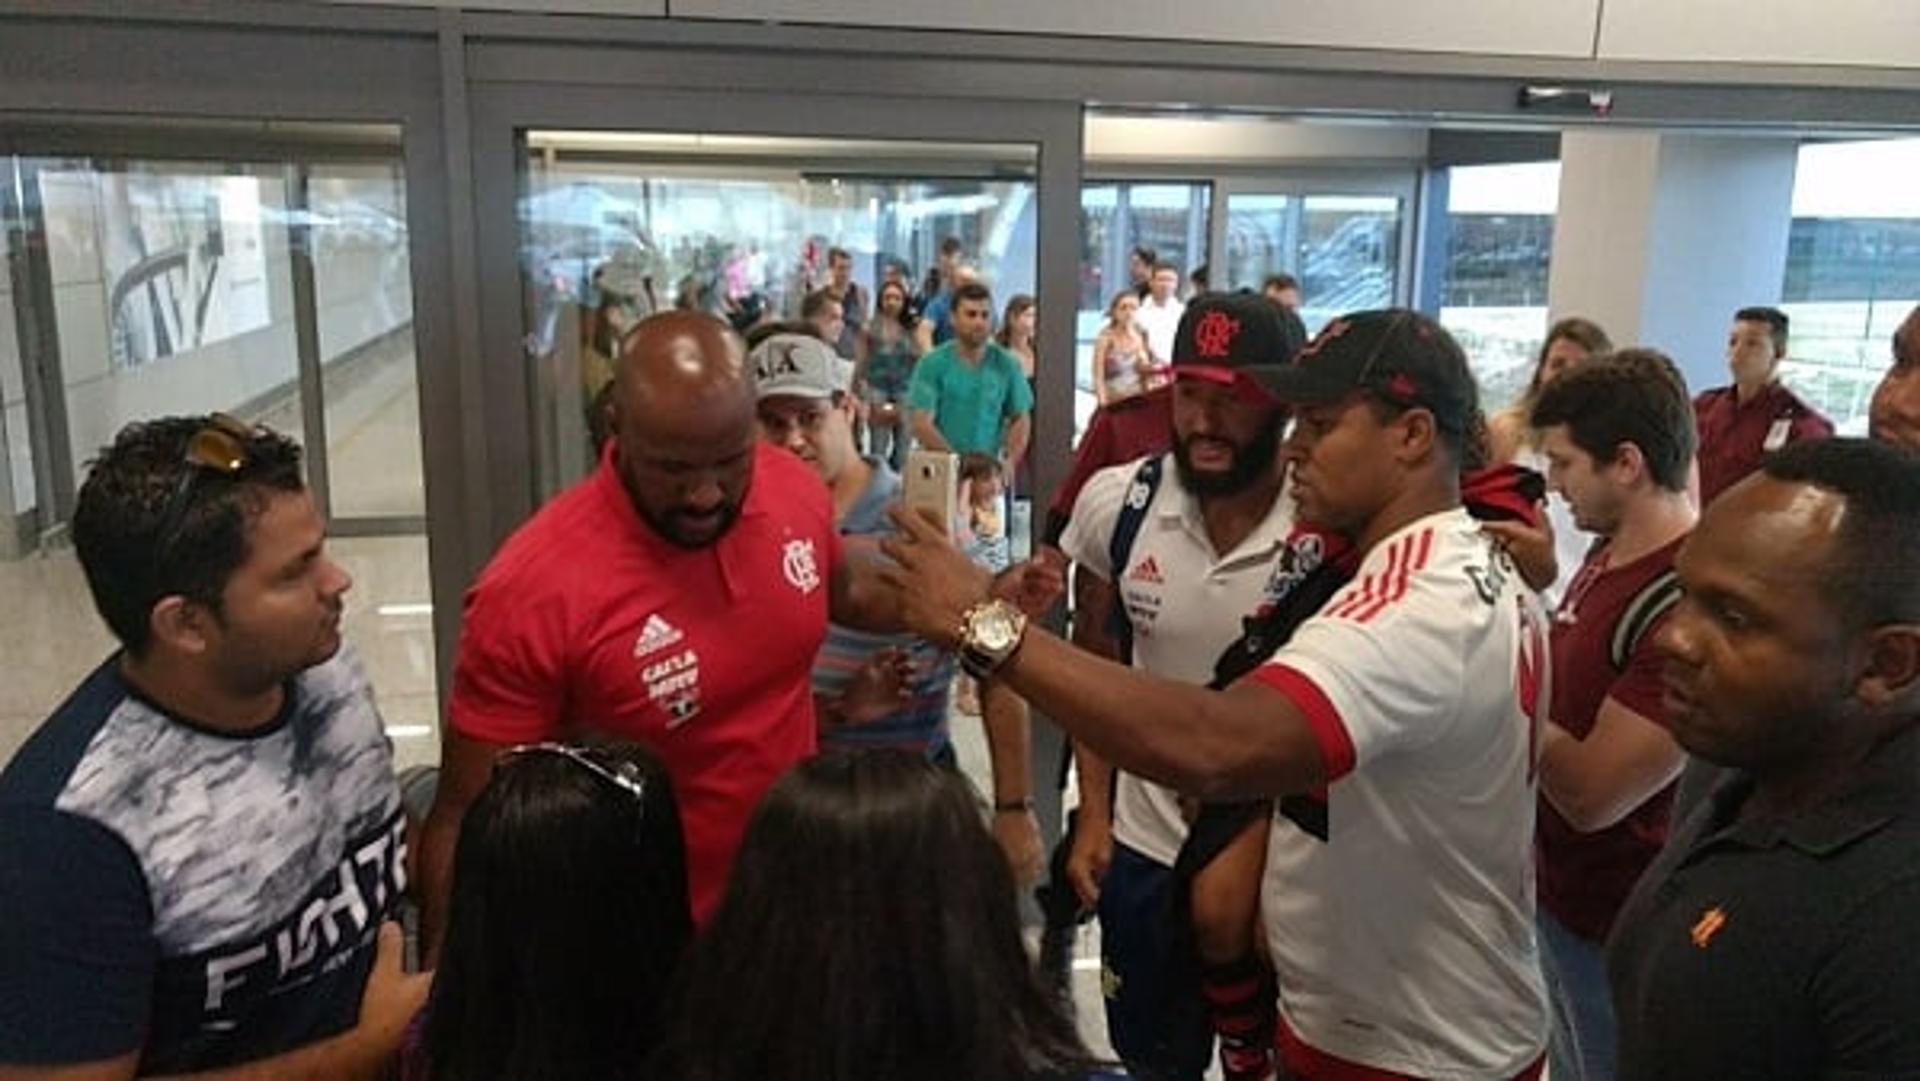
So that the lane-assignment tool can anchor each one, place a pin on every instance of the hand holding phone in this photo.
(932, 486)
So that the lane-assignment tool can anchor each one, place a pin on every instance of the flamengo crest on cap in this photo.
(1213, 335)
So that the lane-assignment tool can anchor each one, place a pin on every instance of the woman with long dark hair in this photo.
(869, 931)
(568, 916)
(1016, 334)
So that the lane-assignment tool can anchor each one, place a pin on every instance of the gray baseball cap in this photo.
(798, 366)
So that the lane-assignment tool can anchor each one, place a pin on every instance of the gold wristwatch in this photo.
(990, 632)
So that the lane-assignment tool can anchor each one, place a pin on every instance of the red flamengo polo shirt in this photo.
(1734, 437)
(1585, 877)
(589, 621)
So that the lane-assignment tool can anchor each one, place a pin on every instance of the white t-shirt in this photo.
(1160, 323)
(1186, 604)
(1403, 935)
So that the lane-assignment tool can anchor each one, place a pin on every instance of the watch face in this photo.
(997, 628)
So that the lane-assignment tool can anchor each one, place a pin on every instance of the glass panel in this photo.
(16, 446)
(173, 293)
(1349, 255)
(1258, 228)
(1169, 218)
(174, 289)
(364, 295)
(1853, 270)
(1499, 249)
(615, 226)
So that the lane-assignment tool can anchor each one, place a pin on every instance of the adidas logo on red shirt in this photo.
(1148, 571)
(657, 635)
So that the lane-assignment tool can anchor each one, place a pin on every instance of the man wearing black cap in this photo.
(1175, 545)
(1401, 721)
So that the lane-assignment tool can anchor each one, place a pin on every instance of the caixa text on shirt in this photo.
(339, 917)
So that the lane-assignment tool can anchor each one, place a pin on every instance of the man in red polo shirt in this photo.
(677, 597)
(1740, 424)
(1617, 444)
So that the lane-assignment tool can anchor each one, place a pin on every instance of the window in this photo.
(1115, 218)
(1344, 248)
(1499, 247)
(1853, 270)
(617, 225)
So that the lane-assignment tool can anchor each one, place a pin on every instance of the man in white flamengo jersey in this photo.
(1398, 725)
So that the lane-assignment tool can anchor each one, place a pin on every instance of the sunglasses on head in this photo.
(220, 447)
(625, 776)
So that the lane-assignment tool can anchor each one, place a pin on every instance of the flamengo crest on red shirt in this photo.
(1213, 337)
(798, 564)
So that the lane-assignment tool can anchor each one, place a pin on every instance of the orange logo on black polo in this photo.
(1711, 921)
(1213, 336)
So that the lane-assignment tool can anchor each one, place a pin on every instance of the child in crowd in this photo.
(983, 487)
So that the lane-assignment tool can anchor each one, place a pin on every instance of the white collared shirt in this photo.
(1186, 604)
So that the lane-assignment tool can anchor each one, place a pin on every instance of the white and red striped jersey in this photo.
(1398, 901)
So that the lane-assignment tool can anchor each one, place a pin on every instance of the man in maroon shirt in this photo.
(1894, 416)
(1739, 424)
(1119, 432)
(1617, 444)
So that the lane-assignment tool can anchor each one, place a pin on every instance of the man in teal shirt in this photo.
(970, 396)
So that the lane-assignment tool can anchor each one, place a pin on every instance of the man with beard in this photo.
(1397, 725)
(1206, 522)
(678, 598)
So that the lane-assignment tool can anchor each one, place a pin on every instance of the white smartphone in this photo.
(932, 486)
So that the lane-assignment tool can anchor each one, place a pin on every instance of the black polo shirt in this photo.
(1784, 947)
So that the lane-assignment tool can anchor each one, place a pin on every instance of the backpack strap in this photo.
(1126, 530)
(1655, 599)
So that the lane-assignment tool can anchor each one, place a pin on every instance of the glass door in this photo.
(616, 225)
(1347, 241)
(1168, 218)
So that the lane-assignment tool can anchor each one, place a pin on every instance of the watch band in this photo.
(1010, 806)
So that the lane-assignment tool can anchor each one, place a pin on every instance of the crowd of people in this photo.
(1575, 741)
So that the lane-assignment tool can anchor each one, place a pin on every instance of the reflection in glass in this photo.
(1115, 218)
(173, 291)
(1259, 228)
(1499, 252)
(1853, 270)
(1349, 255)
(643, 224)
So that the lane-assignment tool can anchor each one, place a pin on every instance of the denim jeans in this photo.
(1580, 1044)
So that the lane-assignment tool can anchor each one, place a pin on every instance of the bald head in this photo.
(684, 425)
(682, 354)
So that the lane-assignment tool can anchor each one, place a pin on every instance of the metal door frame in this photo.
(668, 91)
